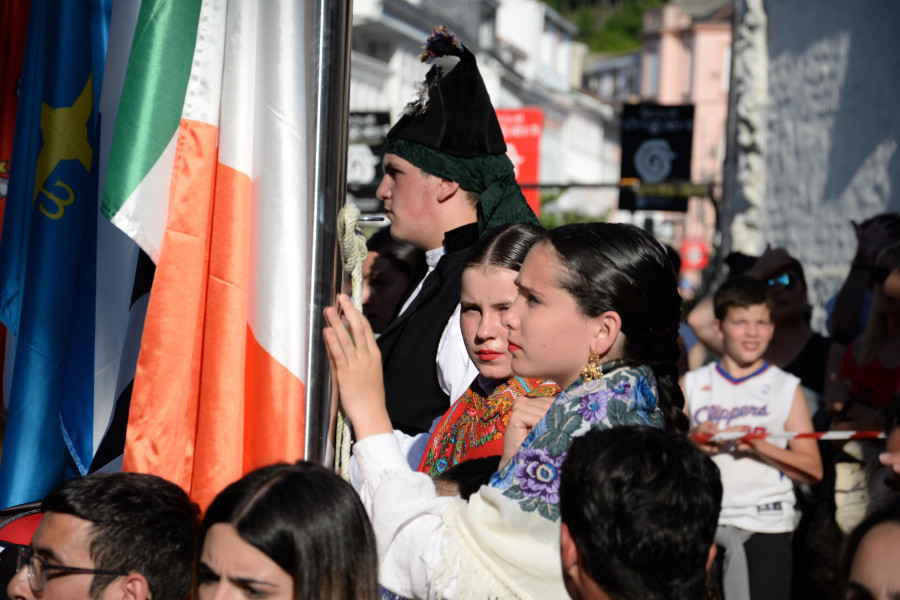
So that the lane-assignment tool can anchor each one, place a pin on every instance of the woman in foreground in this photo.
(597, 311)
(287, 532)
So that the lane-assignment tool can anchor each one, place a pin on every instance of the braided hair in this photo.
(622, 268)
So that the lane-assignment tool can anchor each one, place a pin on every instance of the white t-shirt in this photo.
(756, 496)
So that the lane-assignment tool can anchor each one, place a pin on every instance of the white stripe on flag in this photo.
(280, 271)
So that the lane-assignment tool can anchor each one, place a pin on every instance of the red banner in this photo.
(522, 128)
(13, 27)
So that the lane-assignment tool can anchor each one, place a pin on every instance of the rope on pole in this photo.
(352, 244)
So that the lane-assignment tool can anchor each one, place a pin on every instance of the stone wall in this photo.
(832, 128)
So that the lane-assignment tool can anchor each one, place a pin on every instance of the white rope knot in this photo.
(352, 244)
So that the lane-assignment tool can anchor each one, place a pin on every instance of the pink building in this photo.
(686, 60)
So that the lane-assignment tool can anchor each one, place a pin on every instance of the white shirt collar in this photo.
(433, 256)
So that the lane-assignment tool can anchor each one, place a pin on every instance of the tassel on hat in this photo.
(453, 112)
(442, 43)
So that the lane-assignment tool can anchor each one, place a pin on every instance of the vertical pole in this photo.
(329, 87)
(725, 212)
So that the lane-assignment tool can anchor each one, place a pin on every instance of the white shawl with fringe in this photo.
(504, 542)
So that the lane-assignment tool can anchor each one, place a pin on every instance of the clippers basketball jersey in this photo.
(756, 496)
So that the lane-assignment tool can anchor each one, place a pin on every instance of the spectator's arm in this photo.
(696, 357)
(702, 321)
(835, 389)
(860, 417)
(800, 460)
(850, 300)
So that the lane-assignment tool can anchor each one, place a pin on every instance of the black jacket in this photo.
(409, 343)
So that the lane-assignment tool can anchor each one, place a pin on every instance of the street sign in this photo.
(656, 147)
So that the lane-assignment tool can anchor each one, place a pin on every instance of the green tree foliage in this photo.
(606, 26)
(551, 219)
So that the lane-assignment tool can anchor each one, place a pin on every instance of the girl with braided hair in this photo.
(597, 312)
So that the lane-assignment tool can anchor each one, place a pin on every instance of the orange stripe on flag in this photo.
(209, 403)
(162, 418)
(275, 404)
(219, 444)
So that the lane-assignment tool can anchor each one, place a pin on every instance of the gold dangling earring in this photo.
(592, 370)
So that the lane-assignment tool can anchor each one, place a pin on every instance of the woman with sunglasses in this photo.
(597, 311)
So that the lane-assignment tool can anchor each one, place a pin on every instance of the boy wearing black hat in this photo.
(447, 180)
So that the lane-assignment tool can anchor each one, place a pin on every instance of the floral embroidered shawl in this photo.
(623, 396)
(506, 538)
(474, 426)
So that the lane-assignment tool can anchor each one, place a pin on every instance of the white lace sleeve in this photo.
(406, 515)
(411, 446)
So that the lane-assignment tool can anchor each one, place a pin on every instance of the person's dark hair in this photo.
(739, 264)
(469, 475)
(307, 520)
(743, 291)
(889, 220)
(621, 268)
(403, 256)
(674, 258)
(888, 514)
(642, 505)
(141, 523)
(797, 268)
(505, 246)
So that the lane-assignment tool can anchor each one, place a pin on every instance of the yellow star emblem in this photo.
(65, 136)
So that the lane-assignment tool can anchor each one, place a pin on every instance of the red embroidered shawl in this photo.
(474, 426)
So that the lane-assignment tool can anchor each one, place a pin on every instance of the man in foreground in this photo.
(110, 536)
(639, 509)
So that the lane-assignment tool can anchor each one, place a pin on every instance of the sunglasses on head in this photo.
(785, 280)
(879, 274)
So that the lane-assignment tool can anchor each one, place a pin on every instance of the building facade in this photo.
(686, 59)
(821, 145)
(528, 58)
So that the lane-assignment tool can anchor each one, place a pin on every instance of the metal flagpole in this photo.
(329, 89)
(725, 213)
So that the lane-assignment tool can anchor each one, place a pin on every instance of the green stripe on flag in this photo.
(153, 96)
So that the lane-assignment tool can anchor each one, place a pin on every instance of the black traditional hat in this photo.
(453, 112)
(452, 131)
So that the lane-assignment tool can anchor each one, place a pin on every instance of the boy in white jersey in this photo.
(744, 392)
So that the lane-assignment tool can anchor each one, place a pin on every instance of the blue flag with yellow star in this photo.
(48, 249)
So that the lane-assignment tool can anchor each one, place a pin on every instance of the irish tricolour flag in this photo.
(208, 175)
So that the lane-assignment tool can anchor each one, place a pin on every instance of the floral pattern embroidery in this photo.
(626, 395)
(475, 424)
(539, 474)
(593, 405)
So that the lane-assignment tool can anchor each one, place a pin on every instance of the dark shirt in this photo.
(409, 343)
(812, 363)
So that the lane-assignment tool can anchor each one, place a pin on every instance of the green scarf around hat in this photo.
(491, 176)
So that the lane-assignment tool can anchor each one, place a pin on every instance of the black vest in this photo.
(409, 343)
